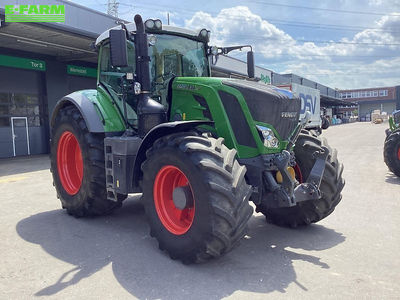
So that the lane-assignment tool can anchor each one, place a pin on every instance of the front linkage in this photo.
(289, 192)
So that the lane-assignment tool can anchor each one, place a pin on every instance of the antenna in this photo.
(112, 8)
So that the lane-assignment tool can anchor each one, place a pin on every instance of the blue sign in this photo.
(308, 103)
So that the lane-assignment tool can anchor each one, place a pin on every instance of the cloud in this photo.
(355, 62)
(382, 72)
(238, 25)
(385, 3)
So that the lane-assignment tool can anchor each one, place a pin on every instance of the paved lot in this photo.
(354, 253)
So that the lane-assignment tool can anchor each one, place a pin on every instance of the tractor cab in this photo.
(172, 52)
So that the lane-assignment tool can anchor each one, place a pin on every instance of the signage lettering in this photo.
(22, 63)
(35, 13)
(81, 71)
(307, 103)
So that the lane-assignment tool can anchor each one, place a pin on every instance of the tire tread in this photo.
(228, 193)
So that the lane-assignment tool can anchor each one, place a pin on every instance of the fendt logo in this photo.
(35, 13)
(307, 103)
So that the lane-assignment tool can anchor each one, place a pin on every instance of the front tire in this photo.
(77, 165)
(391, 152)
(216, 218)
(325, 122)
(307, 212)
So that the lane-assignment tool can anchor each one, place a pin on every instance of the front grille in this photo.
(270, 105)
(237, 120)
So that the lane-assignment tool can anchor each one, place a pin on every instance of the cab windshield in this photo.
(172, 56)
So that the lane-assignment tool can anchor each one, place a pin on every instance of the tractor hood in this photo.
(269, 104)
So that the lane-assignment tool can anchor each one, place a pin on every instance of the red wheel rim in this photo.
(398, 154)
(69, 163)
(299, 175)
(176, 221)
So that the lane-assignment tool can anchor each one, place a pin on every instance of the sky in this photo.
(343, 44)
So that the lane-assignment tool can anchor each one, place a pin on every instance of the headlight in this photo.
(149, 24)
(158, 24)
(270, 140)
(153, 24)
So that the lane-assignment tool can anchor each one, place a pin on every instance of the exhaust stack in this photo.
(150, 112)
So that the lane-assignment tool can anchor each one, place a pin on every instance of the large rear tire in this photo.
(305, 213)
(391, 152)
(215, 219)
(77, 165)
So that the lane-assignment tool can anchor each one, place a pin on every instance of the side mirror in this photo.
(250, 64)
(118, 48)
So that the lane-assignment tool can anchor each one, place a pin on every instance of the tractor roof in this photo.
(165, 29)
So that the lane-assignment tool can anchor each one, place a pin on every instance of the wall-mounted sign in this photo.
(81, 71)
(22, 63)
(35, 13)
(265, 78)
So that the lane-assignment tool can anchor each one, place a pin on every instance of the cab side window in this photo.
(111, 77)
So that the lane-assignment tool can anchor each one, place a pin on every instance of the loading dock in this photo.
(40, 63)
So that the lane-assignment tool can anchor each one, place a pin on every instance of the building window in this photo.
(363, 94)
(19, 105)
(383, 93)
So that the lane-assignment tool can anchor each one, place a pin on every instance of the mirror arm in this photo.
(226, 50)
(123, 26)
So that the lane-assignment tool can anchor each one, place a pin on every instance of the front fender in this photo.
(157, 132)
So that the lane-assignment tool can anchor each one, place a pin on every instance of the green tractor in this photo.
(391, 149)
(197, 148)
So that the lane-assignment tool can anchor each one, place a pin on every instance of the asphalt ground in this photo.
(352, 254)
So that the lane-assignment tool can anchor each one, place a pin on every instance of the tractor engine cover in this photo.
(268, 104)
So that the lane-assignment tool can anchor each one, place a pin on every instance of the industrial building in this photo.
(329, 96)
(385, 99)
(40, 63)
(227, 66)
